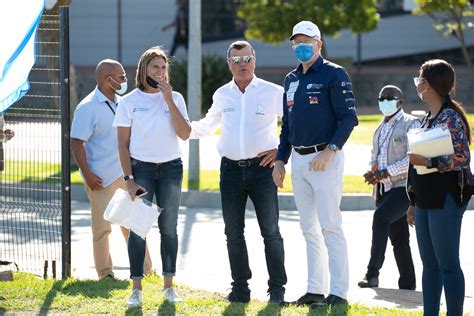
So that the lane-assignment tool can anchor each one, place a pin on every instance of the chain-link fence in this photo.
(34, 206)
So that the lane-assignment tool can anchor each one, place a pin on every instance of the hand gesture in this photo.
(279, 173)
(268, 157)
(93, 181)
(132, 188)
(321, 161)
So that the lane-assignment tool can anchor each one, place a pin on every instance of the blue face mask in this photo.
(388, 107)
(304, 52)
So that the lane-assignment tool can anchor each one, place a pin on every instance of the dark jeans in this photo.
(236, 184)
(164, 182)
(438, 232)
(390, 220)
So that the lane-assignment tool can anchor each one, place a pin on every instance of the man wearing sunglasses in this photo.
(319, 115)
(95, 147)
(388, 173)
(247, 109)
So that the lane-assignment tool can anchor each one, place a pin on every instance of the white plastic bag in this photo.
(138, 215)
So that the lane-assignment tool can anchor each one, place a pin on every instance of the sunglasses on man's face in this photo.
(237, 59)
(388, 98)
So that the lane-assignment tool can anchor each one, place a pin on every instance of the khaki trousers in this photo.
(101, 229)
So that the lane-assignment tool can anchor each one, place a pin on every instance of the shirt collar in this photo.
(101, 97)
(315, 66)
(252, 83)
(395, 118)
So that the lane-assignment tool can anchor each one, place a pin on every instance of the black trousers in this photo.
(390, 220)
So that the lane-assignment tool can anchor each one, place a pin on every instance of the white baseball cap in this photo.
(307, 28)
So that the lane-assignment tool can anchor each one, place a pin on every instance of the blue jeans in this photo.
(163, 181)
(438, 233)
(390, 220)
(237, 184)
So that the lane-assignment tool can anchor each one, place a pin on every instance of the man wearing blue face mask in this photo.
(319, 115)
(388, 174)
(95, 148)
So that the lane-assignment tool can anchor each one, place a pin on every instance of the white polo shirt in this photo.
(92, 124)
(152, 138)
(248, 120)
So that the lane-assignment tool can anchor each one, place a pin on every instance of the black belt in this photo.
(306, 150)
(244, 162)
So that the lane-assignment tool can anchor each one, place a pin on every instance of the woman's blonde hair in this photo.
(147, 56)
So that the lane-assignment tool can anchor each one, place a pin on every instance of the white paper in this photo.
(430, 143)
(138, 216)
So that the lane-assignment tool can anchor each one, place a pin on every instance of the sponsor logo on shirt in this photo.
(260, 110)
(290, 94)
(228, 110)
(313, 99)
(314, 86)
(141, 109)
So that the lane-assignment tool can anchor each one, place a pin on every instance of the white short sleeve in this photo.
(82, 124)
(179, 100)
(122, 115)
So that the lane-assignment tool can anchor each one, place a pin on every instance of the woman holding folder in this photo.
(437, 202)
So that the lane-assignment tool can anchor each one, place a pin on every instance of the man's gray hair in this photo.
(238, 45)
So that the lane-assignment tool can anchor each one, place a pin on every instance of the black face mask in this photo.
(151, 82)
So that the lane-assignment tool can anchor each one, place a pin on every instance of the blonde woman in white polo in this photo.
(149, 120)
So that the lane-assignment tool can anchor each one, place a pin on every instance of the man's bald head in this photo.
(106, 68)
(391, 91)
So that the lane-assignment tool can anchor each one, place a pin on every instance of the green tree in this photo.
(272, 21)
(450, 17)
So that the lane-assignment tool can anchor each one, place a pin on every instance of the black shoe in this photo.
(235, 297)
(410, 288)
(331, 300)
(369, 281)
(309, 298)
(277, 297)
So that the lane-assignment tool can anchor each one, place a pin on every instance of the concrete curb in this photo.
(212, 199)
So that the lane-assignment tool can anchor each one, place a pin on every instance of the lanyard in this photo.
(110, 107)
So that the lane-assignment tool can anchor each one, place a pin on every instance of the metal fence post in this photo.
(65, 138)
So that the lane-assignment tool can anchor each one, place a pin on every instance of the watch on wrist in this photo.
(333, 147)
(126, 178)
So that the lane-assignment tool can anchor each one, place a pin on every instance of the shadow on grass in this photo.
(404, 298)
(270, 309)
(137, 311)
(55, 289)
(93, 288)
(235, 309)
(340, 310)
(167, 309)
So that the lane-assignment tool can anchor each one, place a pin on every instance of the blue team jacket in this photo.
(318, 107)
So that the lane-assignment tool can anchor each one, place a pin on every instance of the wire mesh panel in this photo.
(31, 181)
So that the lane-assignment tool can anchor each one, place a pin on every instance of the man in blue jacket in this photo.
(318, 117)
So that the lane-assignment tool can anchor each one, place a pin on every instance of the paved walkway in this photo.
(203, 263)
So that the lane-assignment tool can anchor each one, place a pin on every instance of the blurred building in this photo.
(401, 39)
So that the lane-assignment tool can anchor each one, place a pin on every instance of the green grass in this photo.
(31, 172)
(28, 294)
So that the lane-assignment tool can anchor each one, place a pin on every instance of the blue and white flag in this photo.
(19, 20)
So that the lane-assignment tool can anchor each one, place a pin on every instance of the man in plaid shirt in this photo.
(388, 173)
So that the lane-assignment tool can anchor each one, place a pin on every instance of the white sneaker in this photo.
(135, 300)
(172, 296)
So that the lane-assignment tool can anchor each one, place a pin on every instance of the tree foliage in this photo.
(272, 21)
(452, 18)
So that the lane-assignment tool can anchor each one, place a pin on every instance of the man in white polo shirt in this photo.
(95, 149)
(247, 108)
